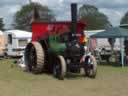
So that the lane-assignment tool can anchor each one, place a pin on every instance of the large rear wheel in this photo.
(34, 57)
(59, 68)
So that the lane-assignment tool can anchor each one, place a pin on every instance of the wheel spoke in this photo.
(34, 56)
(91, 67)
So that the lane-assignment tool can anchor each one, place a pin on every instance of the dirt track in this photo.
(53, 87)
(110, 81)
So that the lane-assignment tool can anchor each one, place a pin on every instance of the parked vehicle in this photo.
(101, 43)
(2, 43)
(101, 46)
(16, 41)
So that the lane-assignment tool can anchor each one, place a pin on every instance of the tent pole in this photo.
(122, 52)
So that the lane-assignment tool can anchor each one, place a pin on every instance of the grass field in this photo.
(110, 81)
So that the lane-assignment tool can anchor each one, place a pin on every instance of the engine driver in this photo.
(84, 47)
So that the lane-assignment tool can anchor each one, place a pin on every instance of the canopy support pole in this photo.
(122, 52)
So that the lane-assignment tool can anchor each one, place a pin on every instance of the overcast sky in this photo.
(114, 9)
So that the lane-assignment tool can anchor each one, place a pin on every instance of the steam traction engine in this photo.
(55, 48)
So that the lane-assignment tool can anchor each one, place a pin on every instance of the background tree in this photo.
(23, 17)
(124, 19)
(94, 18)
(1, 24)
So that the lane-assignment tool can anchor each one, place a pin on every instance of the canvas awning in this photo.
(115, 32)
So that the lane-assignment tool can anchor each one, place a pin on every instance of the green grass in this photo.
(10, 71)
(112, 71)
(110, 81)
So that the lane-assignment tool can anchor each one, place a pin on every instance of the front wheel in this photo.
(91, 67)
(59, 68)
(6, 56)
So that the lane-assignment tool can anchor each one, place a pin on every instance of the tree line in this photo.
(89, 13)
